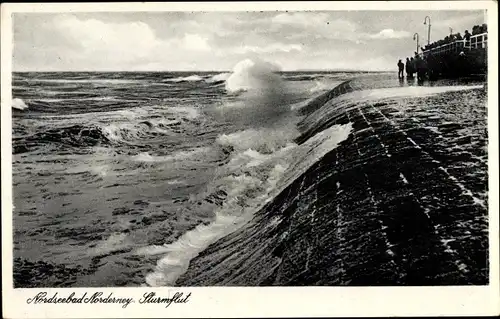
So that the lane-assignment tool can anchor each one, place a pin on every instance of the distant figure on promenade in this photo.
(420, 64)
(412, 67)
(467, 38)
(467, 35)
(408, 67)
(401, 68)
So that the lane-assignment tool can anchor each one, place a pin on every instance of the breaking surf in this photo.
(253, 177)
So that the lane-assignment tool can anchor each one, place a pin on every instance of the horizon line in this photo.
(187, 71)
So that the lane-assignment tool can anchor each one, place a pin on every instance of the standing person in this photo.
(412, 67)
(420, 68)
(401, 68)
(467, 38)
(408, 67)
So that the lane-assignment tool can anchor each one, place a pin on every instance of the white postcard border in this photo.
(257, 301)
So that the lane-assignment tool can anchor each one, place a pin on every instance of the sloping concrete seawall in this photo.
(402, 201)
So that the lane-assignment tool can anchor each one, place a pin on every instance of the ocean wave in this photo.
(193, 154)
(98, 81)
(79, 99)
(261, 96)
(116, 241)
(321, 76)
(244, 193)
(123, 132)
(218, 78)
(263, 162)
(264, 140)
(249, 180)
(321, 86)
(79, 135)
(124, 127)
(306, 77)
(190, 78)
(186, 112)
(136, 129)
(75, 135)
(251, 75)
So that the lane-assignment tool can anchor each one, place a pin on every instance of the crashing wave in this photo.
(251, 180)
(254, 75)
(19, 104)
(191, 78)
(218, 78)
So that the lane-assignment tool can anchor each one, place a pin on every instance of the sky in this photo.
(190, 41)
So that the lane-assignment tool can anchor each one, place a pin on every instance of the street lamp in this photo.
(415, 36)
(428, 29)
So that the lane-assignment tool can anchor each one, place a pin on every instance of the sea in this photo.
(122, 178)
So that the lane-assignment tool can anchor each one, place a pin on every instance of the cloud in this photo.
(218, 40)
(464, 18)
(315, 24)
(390, 34)
(71, 42)
(117, 40)
(275, 47)
(322, 25)
(301, 18)
(196, 42)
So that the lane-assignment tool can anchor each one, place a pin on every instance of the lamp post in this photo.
(428, 29)
(415, 36)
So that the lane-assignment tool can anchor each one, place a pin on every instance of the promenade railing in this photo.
(476, 41)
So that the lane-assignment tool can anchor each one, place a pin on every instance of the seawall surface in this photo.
(402, 201)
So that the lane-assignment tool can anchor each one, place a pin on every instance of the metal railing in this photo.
(476, 41)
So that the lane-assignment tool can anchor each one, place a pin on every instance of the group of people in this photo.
(447, 40)
(477, 29)
(412, 66)
(452, 62)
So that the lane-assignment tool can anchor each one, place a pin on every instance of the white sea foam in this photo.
(175, 182)
(262, 95)
(100, 81)
(185, 111)
(218, 77)
(134, 130)
(114, 242)
(191, 78)
(250, 179)
(323, 85)
(19, 104)
(101, 171)
(263, 161)
(176, 156)
(264, 140)
(120, 132)
(254, 75)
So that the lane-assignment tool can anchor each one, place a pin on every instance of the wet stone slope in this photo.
(403, 201)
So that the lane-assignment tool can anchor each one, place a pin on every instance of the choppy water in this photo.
(121, 179)
(106, 164)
